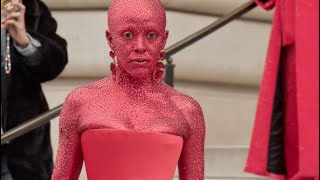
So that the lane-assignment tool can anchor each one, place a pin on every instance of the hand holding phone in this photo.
(13, 20)
(7, 7)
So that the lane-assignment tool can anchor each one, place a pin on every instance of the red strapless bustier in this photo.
(130, 155)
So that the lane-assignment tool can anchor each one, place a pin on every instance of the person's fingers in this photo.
(22, 9)
(14, 15)
(3, 12)
(3, 20)
(20, 6)
(11, 22)
(3, 26)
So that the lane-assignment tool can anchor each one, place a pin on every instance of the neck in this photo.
(127, 81)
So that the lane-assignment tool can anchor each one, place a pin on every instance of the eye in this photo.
(152, 35)
(127, 35)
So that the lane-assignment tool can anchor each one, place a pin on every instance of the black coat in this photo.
(30, 156)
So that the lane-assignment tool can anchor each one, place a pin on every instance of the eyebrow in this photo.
(131, 25)
(133, 20)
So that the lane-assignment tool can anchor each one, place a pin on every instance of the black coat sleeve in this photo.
(51, 58)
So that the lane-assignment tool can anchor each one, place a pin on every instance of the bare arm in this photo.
(69, 157)
(191, 164)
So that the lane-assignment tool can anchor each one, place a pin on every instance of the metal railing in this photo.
(201, 34)
(30, 125)
(169, 78)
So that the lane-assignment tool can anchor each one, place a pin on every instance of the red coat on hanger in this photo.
(285, 138)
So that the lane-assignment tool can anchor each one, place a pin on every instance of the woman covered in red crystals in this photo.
(132, 125)
(285, 143)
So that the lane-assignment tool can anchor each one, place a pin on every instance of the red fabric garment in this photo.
(294, 42)
(128, 155)
(109, 105)
(307, 40)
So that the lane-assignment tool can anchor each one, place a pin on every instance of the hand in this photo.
(15, 24)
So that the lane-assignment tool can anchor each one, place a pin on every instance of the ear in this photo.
(167, 35)
(109, 38)
(165, 38)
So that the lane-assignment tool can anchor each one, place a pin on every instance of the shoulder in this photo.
(187, 104)
(83, 93)
(42, 6)
(184, 101)
(35, 7)
(194, 115)
(192, 112)
(75, 103)
(192, 107)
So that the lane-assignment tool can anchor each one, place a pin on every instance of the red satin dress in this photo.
(285, 138)
(129, 133)
(123, 154)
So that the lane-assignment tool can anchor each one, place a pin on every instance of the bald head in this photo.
(137, 34)
(150, 10)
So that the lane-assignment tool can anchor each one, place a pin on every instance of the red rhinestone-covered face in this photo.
(137, 34)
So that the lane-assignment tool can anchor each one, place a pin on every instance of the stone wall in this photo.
(234, 54)
(208, 7)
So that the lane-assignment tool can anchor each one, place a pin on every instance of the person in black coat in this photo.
(38, 55)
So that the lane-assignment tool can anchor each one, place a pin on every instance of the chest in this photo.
(150, 113)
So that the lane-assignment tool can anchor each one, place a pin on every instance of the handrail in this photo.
(30, 125)
(47, 116)
(210, 29)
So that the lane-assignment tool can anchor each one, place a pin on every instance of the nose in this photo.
(140, 46)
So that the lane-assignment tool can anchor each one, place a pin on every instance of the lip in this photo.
(140, 61)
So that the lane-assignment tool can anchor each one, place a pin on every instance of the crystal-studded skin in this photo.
(134, 100)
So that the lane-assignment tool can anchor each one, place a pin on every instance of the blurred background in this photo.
(222, 71)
